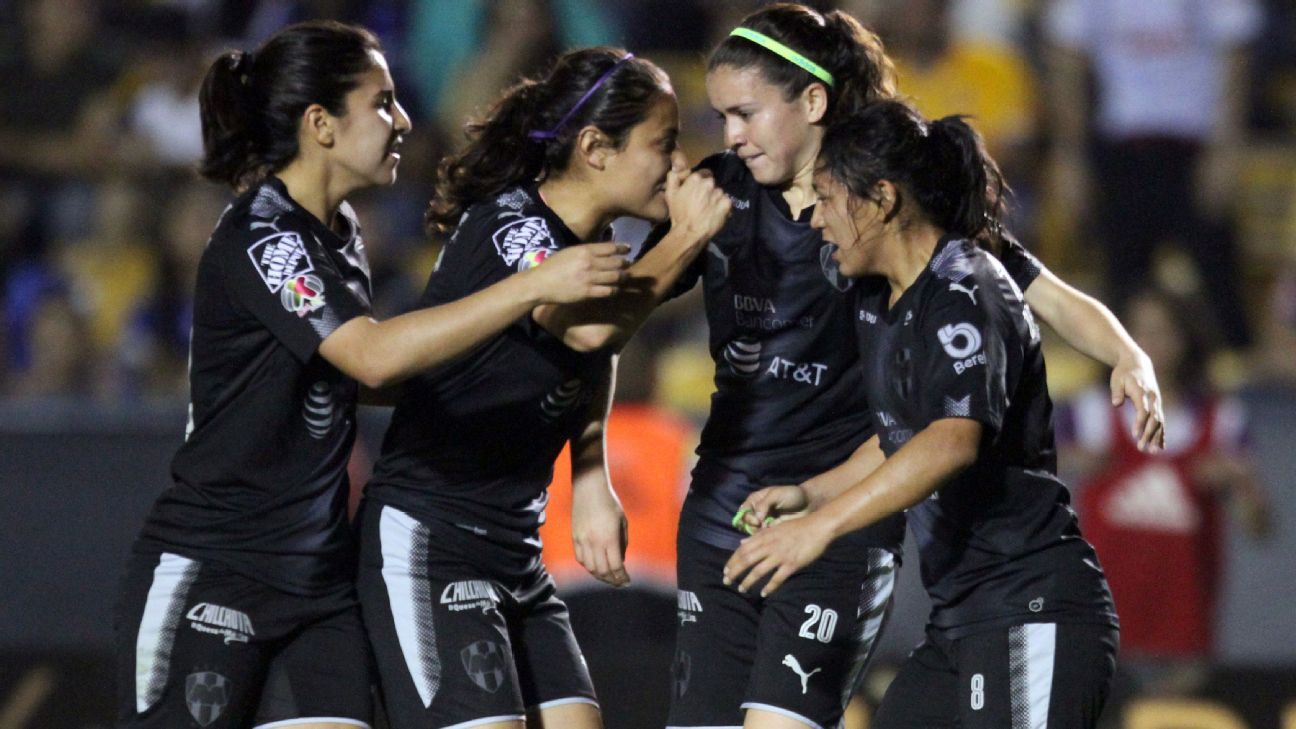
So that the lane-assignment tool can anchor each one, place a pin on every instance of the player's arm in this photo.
(778, 502)
(378, 354)
(698, 209)
(936, 454)
(598, 523)
(1090, 327)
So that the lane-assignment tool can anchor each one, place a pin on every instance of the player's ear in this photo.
(888, 199)
(593, 147)
(317, 125)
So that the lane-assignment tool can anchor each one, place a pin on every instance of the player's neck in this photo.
(906, 252)
(308, 186)
(570, 201)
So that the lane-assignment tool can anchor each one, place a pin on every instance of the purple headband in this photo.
(553, 133)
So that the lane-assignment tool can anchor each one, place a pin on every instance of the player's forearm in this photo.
(936, 454)
(830, 484)
(589, 449)
(379, 354)
(1082, 321)
(587, 327)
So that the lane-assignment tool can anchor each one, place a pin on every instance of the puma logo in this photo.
(970, 292)
(791, 662)
(714, 250)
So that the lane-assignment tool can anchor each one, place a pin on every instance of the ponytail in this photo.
(962, 186)
(529, 134)
(943, 165)
(226, 118)
(498, 155)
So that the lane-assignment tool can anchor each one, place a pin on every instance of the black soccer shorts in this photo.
(1029, 676)
(199, 645)
(800, 652)
(456, 645)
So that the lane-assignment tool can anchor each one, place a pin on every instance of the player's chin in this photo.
(655, 209)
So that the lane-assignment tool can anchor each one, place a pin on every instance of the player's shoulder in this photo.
(731, 175)
(513, 223)
(260, 221)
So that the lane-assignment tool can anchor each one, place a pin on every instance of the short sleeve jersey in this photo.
(472, 444)
(260, 482)
(999, 543)
(788, 403)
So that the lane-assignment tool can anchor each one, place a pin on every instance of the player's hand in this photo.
(777, 552)
(697, 205)
(1134, 378)
(578, 273)
(771, 504)
(600, 534)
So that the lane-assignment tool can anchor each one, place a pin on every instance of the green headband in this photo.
(774, 46)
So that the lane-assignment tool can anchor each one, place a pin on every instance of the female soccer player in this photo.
(1022, 630)
(788, 405)
(238, 606)
(462, 615)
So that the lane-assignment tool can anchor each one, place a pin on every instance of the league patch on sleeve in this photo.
(525, 243)
(302, 294)
(280, 258)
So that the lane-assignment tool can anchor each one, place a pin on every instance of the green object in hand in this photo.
(743, 526)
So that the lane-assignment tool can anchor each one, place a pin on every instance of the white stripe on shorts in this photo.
(404, 558)
(163, 607)
(1031, 650)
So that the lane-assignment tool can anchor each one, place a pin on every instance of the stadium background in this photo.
(101, 221)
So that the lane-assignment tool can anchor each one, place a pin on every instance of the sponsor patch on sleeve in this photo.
(522, 242)
(280, 258)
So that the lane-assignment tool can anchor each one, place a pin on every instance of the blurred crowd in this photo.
(1149, 144)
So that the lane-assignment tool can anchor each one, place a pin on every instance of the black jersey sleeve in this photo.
(965, 358)
(489, 246)
(1022, 265)
(285, 279)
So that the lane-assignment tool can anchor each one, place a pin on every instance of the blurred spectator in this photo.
(1171, 85)
(944, 72)
(58, 73)
(1157, 521)
(49, 351)
(460, 55)
(152, 351)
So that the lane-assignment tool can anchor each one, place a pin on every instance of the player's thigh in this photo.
(575, 715)
(922, 694)
(186, 648)
(1035, 676)
(321, 676)
(439, 634)
(816, 634)
(715, 641)
(551, 668)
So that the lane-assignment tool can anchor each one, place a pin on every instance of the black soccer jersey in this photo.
(998, 544)
(472, 444)
(260, 482)
(788, 403)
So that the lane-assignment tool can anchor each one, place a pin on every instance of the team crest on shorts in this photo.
(302, 294)
(206, 695)
(484, 662)
(681, 672)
